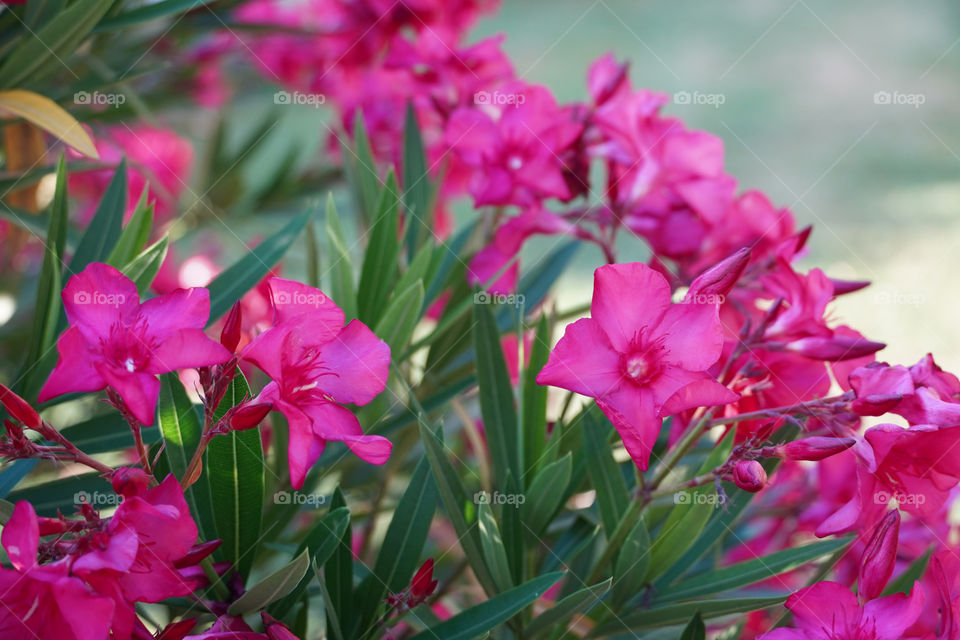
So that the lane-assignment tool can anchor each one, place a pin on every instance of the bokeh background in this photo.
(798, 80)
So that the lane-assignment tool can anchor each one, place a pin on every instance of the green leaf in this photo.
(179, 424)
(612, 494)
(144, 268)
(105, 228)
(695, 630)
(400, 317)
(496, 397)
(379, 271)
(492, 545)
(135, 235)
(534, 414)
(483, 617)
(571, 544)
(559, 614)
(687, 520)
(545, 496)
(273, 587)
(6, 510)
(460, 510)
(64, 494)
(235, 467)
(338, 572)
(33, 223)
(53, 43)
(751, 571)
(244, 274)
(676, 614)
(321, 541)
(341, 266)
(403, 544)
(416, 184)
(105, 433)
(13, 473)
(631, 565)
(147, 12)
(364, 172)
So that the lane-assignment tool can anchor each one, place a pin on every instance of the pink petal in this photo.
(333, 422)
(88, 615)
(894, 614)
(631, 411)
(293, 300)
(358, 363)
(692, 335)
(626, 299)
(138, 390)
(118, 556)
(304, 448)
(21, 536)
(98, 297)
(265, 351)
(825, 604)
(187, 349)
(583, 361)
(705, 392)
(179, 309)
(75, 371)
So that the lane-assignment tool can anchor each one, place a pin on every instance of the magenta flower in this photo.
(114, 341)
(317, 364)
(639, 356)
(923, 393)
(44, 601)
(829, 611)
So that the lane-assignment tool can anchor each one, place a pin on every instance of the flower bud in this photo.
(719, 279)
(19, 409)
(248, 416)
(130, 481)
(834, 349)
(815, 448)
(423, 585)
(749, 475)
(197, 553)
(230, 334)
(275, 630)
(840, 287)
(879, 558)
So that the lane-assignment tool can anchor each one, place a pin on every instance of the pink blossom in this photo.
(317, 364)
(829, 611)
(44, 601)
(115, 341)
(640, 357)
(923, 393)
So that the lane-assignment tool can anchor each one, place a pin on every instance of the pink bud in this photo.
(749, 475)
(275, 630)
(197, 553)
(177, 630)
(50, 526)
(423, 585)
(841, 287)
(230, 334)
(835, 348)
(130, 481)
(719, 279)
(879, 557)
(815, 448)
(248, 416)
(19, 408)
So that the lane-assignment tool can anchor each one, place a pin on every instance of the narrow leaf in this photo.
(273, 587)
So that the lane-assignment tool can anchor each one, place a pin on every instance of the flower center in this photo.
(637, 367)
(515, 162)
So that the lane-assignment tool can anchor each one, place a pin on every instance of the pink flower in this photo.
(515, 152)
(829, 611)
(115, 341)
(639, 356)
(316, 365)
(45, 601)
(923, 393)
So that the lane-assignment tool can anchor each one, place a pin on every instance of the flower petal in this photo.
(632, 412)
(98, 297)
(21, 536)
(186, 349)
(359, 364)
(75, 370)
(692, 335)
(333, 422)
(627, 298)
(138, 390)
(179, 309)
(583, 361)
(293, 301)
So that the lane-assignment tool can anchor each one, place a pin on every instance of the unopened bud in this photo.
(840, 287)
(19, 409)
(749, 475)
(197, 553)
(248, 416)
(719, 279)
(815, 448)
(275, 630)
(835, 348)
(130, 481)
(879, 557)
(232, 326)
(423, 585)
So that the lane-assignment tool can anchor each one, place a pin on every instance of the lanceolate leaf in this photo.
(545, 496)
(379, 271)
(273, 587)
(244, 274)
(485, 616)
(338, 573)
(695, 630)
(631, 565)
(235, 467)
(612, 495)
(416, 184)
(400, 318)
(134, 236)
(493, 549)
(105, 228)
(576, 603)
(144, 268)
(676, 614)
(534, 415)
(341, 266)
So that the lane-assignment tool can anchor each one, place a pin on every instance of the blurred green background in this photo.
(879, 182)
